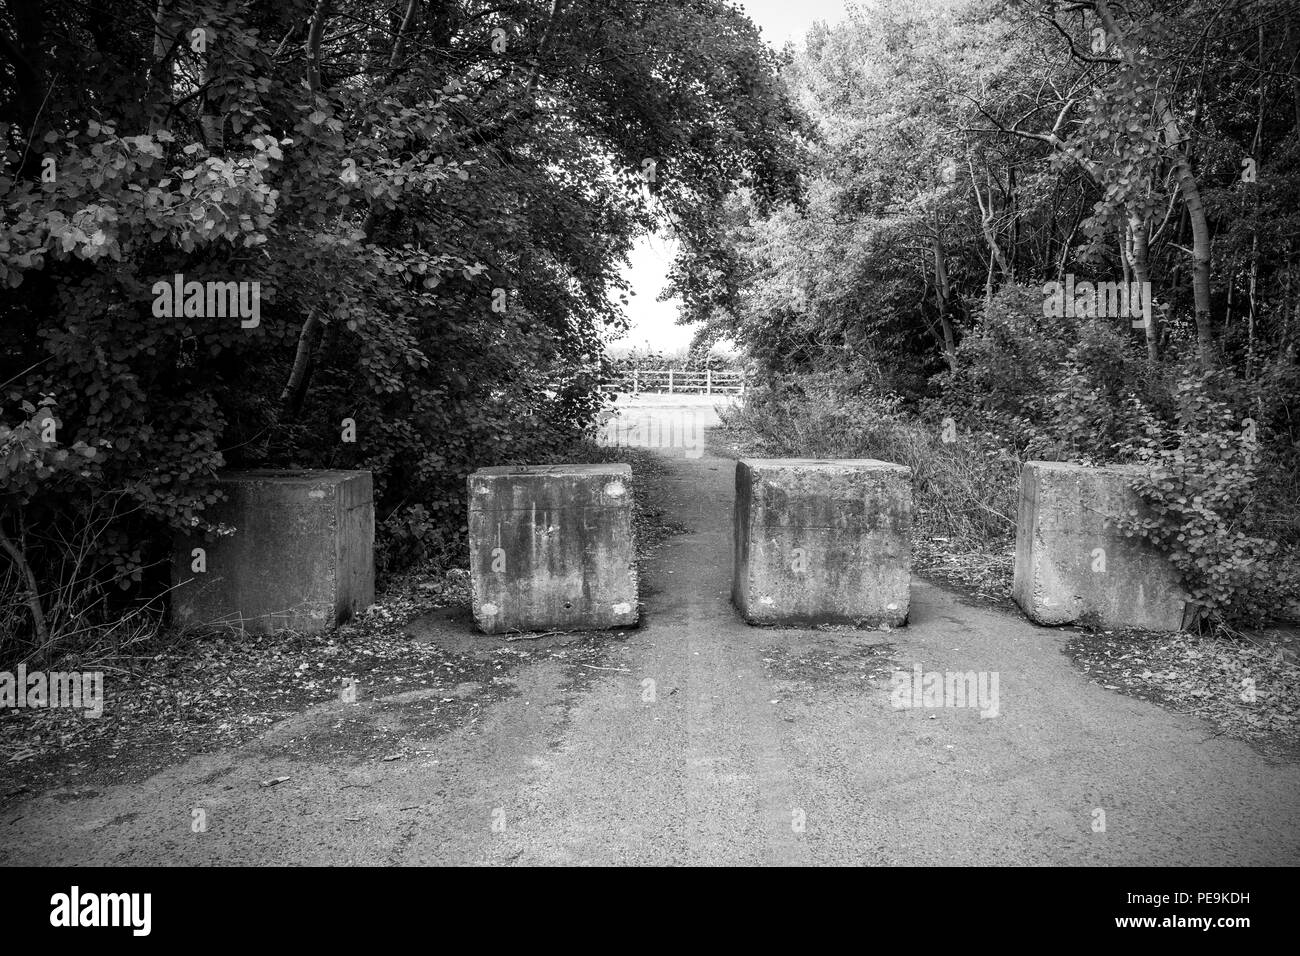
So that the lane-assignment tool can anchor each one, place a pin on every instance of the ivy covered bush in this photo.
(1211, 497)
(1219, 476)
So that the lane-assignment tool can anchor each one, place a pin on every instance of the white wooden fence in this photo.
(696, 381)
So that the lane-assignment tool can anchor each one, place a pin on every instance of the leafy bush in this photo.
(1209, 499)
(1058, 388)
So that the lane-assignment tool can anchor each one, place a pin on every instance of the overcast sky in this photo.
(653, 322)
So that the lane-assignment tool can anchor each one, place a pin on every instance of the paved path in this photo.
(750, 731)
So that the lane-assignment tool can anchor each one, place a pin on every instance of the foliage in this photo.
(434, 209)
(692, 361)
(1207, 494)
(1056, 388)
(967, 153)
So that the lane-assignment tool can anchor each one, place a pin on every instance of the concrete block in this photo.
(1073, 564)
(301, 556)
(551, 548)
(822, 541)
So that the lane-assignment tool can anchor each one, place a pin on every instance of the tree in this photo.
(432, 200)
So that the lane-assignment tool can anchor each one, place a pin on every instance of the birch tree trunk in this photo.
(943, 293)
(1137, 250)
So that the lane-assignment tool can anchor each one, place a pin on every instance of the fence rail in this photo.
(697, 381)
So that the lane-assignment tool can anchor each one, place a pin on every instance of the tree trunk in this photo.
(1191, 198)
(986, 226)
(943, 293)
(1013, 257)
(19, 558)
(295, 389)
(1137, 250)
(408, 20)
(1200, 255)
(314, 37)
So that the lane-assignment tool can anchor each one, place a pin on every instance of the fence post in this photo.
(670, 381)
(708, 381)
(634, 383)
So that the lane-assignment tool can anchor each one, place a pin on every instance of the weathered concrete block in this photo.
(1073, 564)
(551, 548)
(822, 541)
(301, 555)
